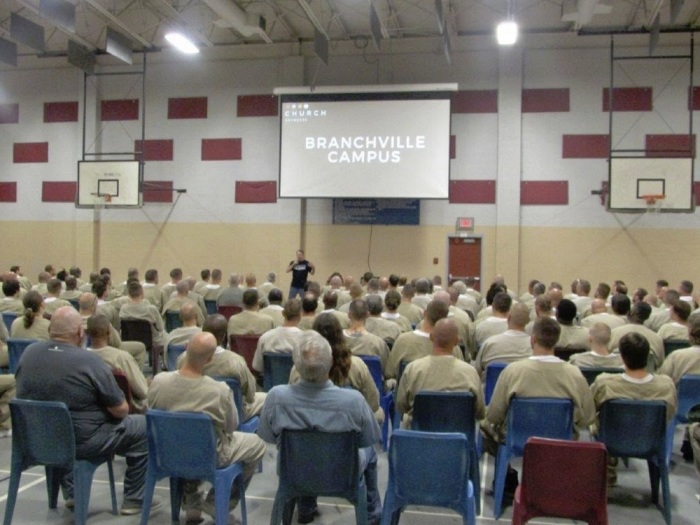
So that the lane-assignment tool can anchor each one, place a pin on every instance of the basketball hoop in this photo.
(106, 198)
(653, 202)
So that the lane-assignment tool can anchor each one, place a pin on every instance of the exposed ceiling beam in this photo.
(312, 18)
(382, 25)
(69, 34)
(176, 14)
(115, 21)
(654, 12)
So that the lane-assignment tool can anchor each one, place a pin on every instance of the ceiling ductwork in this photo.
(585, 10)
(247, 24)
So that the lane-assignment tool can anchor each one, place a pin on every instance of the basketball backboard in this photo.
(109, 183)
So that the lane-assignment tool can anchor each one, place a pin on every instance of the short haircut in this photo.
(309, 303)
(98, 326)
(634, 350)
(620, 304)
(313, 357)
(394, 280)
(216, 274)
(392, 300)
(151, 275)
(330, 300)
(546, 332)
(422, 285)
(671, 295)
(275, 296)
(188, 311)
(661, 283)
(292, 309)
(182, 287)
(10, 287)
(176, 273)
(584, 286)
(71, 283)
(543, 304)
(435, 311)
(566, 311)
(205, 274)
(217, 325)
(600, 334)
(539, 289)
(502, 302)
(687, 286)
(54, 286)
(99, 287)
(134, 289)
(358, 310)
(375, 304)
(640, 312)
(603, 290)
(408, 290)
(681, 309)
(75, 271)
(250, 298)
(519, 315)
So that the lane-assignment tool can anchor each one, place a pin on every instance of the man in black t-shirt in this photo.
(59, 370)
(300, 268)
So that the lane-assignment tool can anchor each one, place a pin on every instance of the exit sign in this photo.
(465, 224)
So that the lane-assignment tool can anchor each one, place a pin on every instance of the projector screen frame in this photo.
(433, 92)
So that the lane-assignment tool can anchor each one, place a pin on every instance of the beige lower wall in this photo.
(598, 254)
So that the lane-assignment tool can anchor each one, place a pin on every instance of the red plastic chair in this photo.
(563, 479)
(228, 311)
(245, 345)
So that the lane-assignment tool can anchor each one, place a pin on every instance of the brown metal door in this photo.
(464, 259)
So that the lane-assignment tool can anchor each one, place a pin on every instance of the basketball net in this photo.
(105, 198)
(653, 202)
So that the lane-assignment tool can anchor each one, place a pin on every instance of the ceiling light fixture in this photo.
(182, 43)
(507, 30)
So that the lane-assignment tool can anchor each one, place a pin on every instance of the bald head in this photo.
(200, 350)
(445, 336)
(87, 303)
(518, 317)
(443, 297)
(66, 325)
(183, 288)
(188, 314)
(598, 306)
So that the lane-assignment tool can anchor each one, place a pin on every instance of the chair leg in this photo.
(83, 472)
(475, 478)
(670, 431)
(654, 477)
(241, 499)
(361, 504)
(221, 498)
(175, 498)
(15, 474)
(148, 498)
(112, 488)
(666, 490)
(277, 508)
(53, 484)
(500, 472)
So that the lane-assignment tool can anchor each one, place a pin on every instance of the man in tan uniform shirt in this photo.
(250, 320)
(508, 347)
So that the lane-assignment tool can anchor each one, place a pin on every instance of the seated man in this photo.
(52, 300)
(600, 314)
(687, 360)
(98, 329)
(139, 308)
(225, 363)
(599, 356)
(497, 322)
(634, 383)
(309, 305)
(183, 334)
(330, 305)
(358, 339)
(638, 314)
(508, 347)
(12, 302)
(541, 375)
(189, 390)
(571, 336)
(71, 293)
(274, 309)
(677, 329)
(59, 370)
(392, 300)
(282, 339)
(314, 403)
(250, 320)
(439, 371)
(174, 304)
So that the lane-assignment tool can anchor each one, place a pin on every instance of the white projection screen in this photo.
(633, 177)
(365, 145)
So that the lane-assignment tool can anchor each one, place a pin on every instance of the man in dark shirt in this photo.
(301, 268)
(59, 370)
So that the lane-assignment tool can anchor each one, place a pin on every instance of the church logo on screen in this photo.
(302, 112)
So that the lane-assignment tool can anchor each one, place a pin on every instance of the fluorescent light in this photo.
(507, 33)
(182, 43)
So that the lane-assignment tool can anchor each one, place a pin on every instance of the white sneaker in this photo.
(5, 433)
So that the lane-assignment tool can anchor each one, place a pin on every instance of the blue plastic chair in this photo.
(396, 415)
(671, 345)
(450, 412)
(688, 397)
(251, 425)
(8, 318)
(174, 351)
(529, 417)
(15, 348)
(211, 306)
(427, 468)
(313, 463)
(277, 367)
(181, 446)
(386, 399)
(493, 371)
(637, 429)
(591, 373)
(172, 320)
(43, 435)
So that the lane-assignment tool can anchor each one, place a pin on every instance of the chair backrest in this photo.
(276, 369)
(123, 384)
(565, 352)
(444, 412)
(374, 365)
(15, 348)
(429, 468)
(181, 444)
(671, 345)
(633, 428)
(590, 373)
(319, 463)
(688, 394)
(235, 387)
(74, 303)
(42, 433)
(172, 320)
(493, 371)
(8, 318)
(228, 311)
(174, 351)
(538, 416)
(137, 330)
(565, 479)
(245, 345)
(210, 304)
(402, 367)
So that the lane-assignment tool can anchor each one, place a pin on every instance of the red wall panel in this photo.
(544, 192)
(29, 152)
(475, 101)
(696, 192)
(453, 147)
(60, 112)
(9, 113)
(154, 150)
(694, 99)
(222, 149)
(257, 106)
(545, 100)
(158, 191)
(63, 191)
(628, 99)
(473, 192)
(8, 192)
(264, 191)
(119, 109)
(185, 108)
(670, 146)
(585, 146)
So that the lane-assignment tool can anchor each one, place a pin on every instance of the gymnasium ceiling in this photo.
(225, 23)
